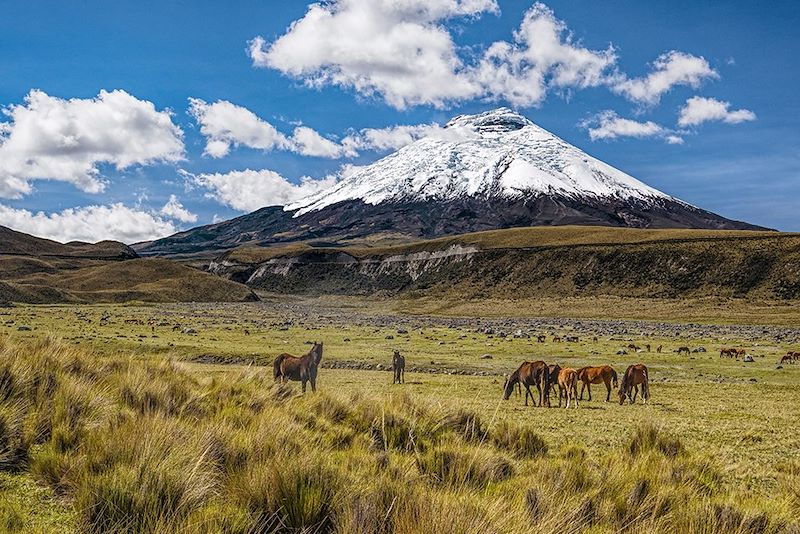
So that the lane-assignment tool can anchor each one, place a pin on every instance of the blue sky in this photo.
(742, 161)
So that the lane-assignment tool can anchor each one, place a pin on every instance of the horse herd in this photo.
(545, 377)
(549, 377)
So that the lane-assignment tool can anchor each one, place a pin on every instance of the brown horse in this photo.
(552, 381)
(658, 349)
(681, 350)
(727, 353)
(528, 374)
(568, 386)
(595, 375)
(635, 375)
(398, 368)
(303, 369)
(541, 338)
(789, 358)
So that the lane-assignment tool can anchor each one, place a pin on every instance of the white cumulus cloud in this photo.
(89, 223)
(249, 190)
(226, 125)
(670, 69)
(543, 55)
(609, 125)
(699, 109)
(175, 210)
(57, 139)
(397, 49)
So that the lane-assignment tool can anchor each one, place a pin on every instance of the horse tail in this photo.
(276, 366)
(614, 381)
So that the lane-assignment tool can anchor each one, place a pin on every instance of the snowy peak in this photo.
(498, 120)
(498, 153)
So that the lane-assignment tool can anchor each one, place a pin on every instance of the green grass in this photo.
(132, 434)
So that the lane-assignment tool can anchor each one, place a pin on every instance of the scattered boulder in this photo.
(389, 337)
(24, 328)
(747, 358)
(402, 331)
(622, 352)
(486, 357)
(188, 331)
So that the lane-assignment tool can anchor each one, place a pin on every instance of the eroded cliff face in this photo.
(768, 268)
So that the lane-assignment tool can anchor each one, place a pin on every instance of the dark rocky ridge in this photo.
(351, 220)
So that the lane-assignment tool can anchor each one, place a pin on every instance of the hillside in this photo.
(40, 271)
(531, 262)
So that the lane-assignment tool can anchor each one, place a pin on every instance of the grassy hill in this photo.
(40, 271)
(536, 262)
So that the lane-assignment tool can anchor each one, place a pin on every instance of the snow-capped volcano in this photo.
(480, 172)
(498, 153)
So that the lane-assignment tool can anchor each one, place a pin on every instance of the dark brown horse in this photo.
(398, 368)
(302, 369)
(552, 381)
(595, 375)
(635, 375)
(528, 374)
(681, 350)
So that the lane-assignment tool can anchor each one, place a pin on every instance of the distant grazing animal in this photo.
(302, 369)
(572, 339)
(631, 346)
(556, 339)
(595, 375)
(789, 358)
(635, 375)
(528, 374)
(681, 350)
(398, 368)
(727, 353)
(568, 386)
(658, 349)
(740, 352)
(594, 339)
(541, 339)
(647, 347)
(246, 332)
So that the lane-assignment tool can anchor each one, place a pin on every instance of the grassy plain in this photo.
(406, 452)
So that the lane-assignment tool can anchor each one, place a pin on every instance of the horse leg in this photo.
(635, 394)
(528, 392)
(588, 388)
(608, 390)
(403, 375)
(575, 393)
(582, 388)
(541, 398)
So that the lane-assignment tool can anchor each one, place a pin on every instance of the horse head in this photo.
(508, 387)
(317, 352)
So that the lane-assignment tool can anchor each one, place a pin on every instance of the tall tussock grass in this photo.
(140, 446)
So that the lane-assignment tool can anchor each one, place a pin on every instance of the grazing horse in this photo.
(741, 352)
(303, 369)
(541, 338)
(658, 349)
(789, 358)
(647, 347)
(634, 376)
(572, 339)
(681, 350)
(552, 381)
(556, 339)
(528, 374)
(568, 386)
(398, 368)
(595, 375)
(727, 353)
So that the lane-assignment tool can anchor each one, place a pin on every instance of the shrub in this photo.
(649, 438)
(522, 441)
